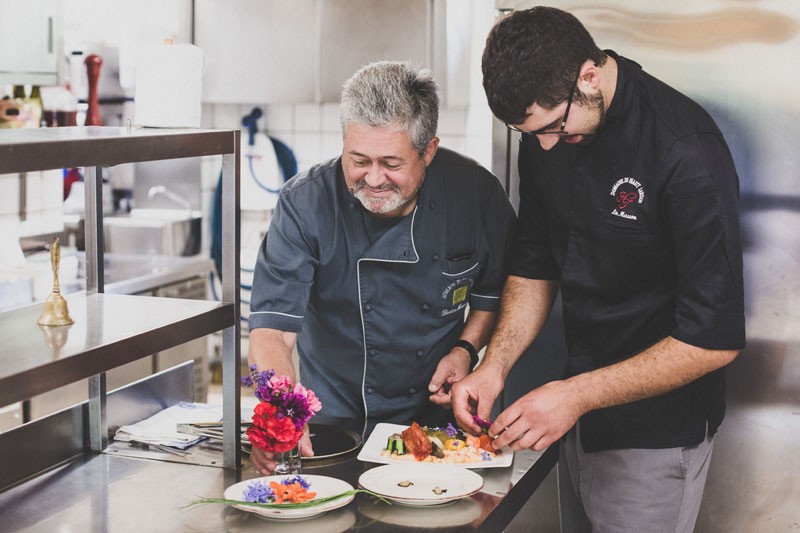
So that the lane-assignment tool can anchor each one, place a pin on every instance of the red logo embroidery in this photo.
(624, 199)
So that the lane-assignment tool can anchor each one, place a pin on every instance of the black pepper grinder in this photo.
(93, 63)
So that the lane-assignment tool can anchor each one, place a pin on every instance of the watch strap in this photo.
(470, 348)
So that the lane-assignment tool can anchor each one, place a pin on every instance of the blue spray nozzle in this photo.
(250, 122)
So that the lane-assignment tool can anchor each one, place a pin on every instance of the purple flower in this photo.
(485, 456)
(260, 381)
(296, 479)
(263, 393)
(450, 430)
(258, 492)
(295, 405)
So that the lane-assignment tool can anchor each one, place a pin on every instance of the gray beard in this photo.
(379, 206)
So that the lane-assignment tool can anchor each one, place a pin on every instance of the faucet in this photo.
(160, 189)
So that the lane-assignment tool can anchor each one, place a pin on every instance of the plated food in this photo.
(462, 451)
(291, 497)
(419, 485)
(447, 445)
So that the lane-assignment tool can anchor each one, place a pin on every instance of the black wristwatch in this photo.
(473, 353)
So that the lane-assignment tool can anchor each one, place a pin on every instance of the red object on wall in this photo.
(93, 63)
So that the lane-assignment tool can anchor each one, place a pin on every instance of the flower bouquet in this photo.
(278, 419)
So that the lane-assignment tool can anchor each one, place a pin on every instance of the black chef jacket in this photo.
(641, 227)
(376, 306)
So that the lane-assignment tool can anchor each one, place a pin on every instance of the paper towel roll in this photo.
(168, 86)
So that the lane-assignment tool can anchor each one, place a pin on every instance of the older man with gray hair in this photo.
(373, 258)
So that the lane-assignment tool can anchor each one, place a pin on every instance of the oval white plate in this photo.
(454, 482)
(324, 486)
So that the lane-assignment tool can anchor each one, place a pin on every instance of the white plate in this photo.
(453, 482)
(451, 515)
(376, 443)
(324, 486)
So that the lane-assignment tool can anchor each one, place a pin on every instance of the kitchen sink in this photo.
(154, 232)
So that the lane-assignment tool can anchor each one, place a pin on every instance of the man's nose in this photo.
(374, 177)
(548, 141)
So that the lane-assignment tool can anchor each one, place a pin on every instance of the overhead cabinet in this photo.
(273, 51)
(29, 42)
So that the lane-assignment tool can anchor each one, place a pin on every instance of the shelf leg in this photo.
(94, 229)
(231, 293)
(98, 423)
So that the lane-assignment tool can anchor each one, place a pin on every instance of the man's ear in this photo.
(590, 76)
(430, 151)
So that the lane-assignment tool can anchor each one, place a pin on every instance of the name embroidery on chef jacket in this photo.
(625, 192)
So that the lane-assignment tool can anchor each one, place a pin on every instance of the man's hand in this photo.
(264, 461)
(452, 368)
(475, 395)
(539, 418)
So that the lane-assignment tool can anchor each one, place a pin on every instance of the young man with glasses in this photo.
(629, 206)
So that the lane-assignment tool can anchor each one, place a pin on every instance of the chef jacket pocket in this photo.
(457, 278)
(622, 233)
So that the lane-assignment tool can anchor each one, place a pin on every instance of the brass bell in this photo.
(55, 311)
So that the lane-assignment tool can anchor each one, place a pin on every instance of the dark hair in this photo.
(534, 56)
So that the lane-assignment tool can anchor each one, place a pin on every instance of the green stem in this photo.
(303, 505)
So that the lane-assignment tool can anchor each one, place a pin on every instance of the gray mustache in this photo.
(385, 187)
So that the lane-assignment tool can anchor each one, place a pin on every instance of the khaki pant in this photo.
(632, 490)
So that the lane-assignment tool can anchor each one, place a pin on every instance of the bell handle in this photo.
(55, 262)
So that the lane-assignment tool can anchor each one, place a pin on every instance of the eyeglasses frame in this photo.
(561, 132)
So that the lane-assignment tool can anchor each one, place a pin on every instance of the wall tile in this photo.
(52, 189)
(331, 145)
(452, 121)
(279, 117)
(226, 116)
(307, 149)
(9, 194)
(330, 118)
(307, 117)
(34, 191)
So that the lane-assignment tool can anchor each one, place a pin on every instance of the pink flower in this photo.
(281, 383)
(313, 402)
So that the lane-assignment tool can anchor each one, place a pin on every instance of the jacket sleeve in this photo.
(701, 202)
(497, 233)
(285, 268)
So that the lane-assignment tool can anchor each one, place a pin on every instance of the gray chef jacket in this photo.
(377, 303)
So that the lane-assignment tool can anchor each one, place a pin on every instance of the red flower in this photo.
(271, 433)
(262, 413)
(258, 438)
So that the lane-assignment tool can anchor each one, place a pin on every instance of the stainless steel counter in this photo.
(111, 493)
(109, 330)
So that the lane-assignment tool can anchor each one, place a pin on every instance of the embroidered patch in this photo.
(626, 191)
(459, 295)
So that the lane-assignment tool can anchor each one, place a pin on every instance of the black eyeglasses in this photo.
(560, 132)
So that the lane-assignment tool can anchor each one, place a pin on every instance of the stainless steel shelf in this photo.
(49, 148)
(109, 330)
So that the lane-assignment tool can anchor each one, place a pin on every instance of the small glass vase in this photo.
(287, 462)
